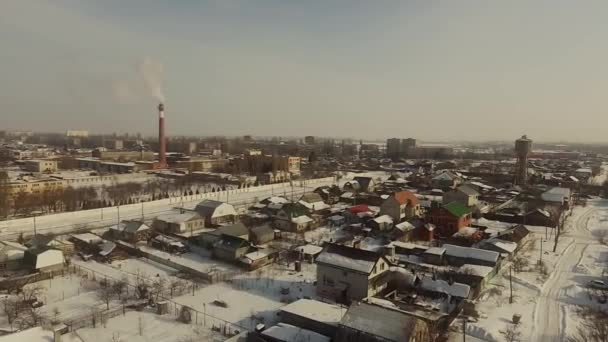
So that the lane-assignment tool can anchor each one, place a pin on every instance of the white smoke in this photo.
(144, 81)
(152, 72)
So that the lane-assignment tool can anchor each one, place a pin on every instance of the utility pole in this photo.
(118, 216)
(511, 284)
(464, 329)
(540, 258)
(142, 211)
(34, 225)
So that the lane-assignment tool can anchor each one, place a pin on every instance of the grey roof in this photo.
(39, 240)
(262, 230)
(468, 190)
(178, 216)
(237, 229)
(375, 320)
(354, 259)
(311, 197)
(471, 253)
(207, 207)
(134, 226)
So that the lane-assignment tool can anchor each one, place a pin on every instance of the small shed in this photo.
(230, 248)
(261, 235)
(313, 315)
(434, 255)
(384, 222)
(43, 259)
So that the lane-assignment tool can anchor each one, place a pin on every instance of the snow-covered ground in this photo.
(548, 303)
(66, 222)
(153, 327)
(254, 297)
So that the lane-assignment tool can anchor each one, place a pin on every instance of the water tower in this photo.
(523, 146)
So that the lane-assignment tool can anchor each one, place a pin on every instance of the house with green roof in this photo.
(449, 218)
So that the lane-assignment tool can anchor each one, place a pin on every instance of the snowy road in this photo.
(96, 218)
(549, 316)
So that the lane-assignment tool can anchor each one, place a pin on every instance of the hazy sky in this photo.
(432, 70)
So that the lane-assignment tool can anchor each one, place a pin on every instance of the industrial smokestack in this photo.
(162, 141)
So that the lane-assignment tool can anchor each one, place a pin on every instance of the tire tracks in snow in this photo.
(549, 313)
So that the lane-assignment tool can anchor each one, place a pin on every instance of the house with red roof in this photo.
(400, 206)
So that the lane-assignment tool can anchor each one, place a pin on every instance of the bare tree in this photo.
(56, 313)
(116, 337)
(11, 308)
(105, 292)
(158, 287)
(32, 317)
(593, 327)
(30, 293)
(142, 287)
(175, 285)
(512, 333)
(519, 263)
(119, 287)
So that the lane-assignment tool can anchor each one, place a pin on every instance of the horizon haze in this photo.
(433, 70)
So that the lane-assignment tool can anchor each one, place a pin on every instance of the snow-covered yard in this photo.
(254, 297)
(548, 303)
(153, 327)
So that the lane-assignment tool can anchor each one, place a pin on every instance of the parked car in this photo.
(598, 285)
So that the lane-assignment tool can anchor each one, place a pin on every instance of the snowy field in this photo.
(548, 303)
(95, 218)
(251, 297)
(153, 328)
(254, 297)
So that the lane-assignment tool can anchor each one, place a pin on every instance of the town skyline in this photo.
(233, 68)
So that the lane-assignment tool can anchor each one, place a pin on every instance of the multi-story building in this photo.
(40, 165)
(398, 148)
(104, 154)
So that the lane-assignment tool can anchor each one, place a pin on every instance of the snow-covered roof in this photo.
(470, 253)
(466, 231)
(435, 251)
(383, 219)
(477, 270)
(347, 195)
(309, 249)
(317, 311)
(50, 257)
(88, 238)
(354, 259)
(405, 226)
(10, 251)
(301, 219)
(257, 255)
(178, 216)
(288, 333)
(106, 248)
(442, 286)
(315, 205)
(556, 195)
(36, 334)
(507, 246)
(408, 245)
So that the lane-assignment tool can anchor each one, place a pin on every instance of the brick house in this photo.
(449, 218)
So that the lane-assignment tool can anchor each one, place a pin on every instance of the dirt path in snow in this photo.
(549, 320)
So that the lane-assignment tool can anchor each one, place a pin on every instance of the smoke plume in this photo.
(152, 72)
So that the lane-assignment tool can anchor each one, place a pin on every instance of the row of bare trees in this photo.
(20, 312)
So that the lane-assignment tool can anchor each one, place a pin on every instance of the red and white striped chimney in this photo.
(162, 141)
